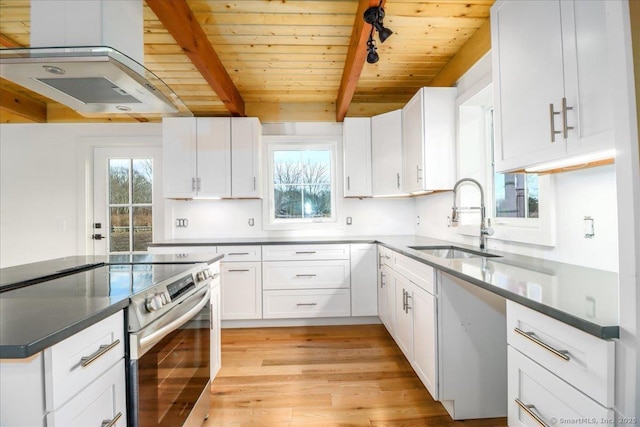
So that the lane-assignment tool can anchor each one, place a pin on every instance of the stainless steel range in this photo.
(169, 350)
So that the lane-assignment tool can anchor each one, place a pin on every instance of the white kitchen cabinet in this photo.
(428, 140)
(246, 157)
(364, 301)
(548, 55)
(537, 396)
(386, 154)
(403, 332)
(196, 157)
(356, 146)
(306, 303)
(241, 290)
(389, 298)
(103, 402)
(311, 252)
(306, 274)
(425, 356)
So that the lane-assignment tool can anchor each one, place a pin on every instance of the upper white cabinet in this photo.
(356, 142)
(551, 81)
(386, 154)
(197, 157)
(246, 161)
(428, 140)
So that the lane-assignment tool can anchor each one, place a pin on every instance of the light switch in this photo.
(588, 227)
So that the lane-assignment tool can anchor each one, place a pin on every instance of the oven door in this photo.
(169, 367)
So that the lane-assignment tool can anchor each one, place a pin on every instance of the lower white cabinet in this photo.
(557, 373)
(425, 356)
(215, 308)
(387, 298)
(103, 402)
(290, 304)
(306, 274)
(403, 333)
(241, 293)
(364, 296)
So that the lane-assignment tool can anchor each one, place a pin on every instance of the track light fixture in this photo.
(374, 16)
(372, 55)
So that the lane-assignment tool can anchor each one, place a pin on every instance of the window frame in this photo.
(286, 142)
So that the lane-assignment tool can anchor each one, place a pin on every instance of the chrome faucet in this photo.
(485, 224)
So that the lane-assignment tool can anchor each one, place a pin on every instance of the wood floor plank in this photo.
(321, 376)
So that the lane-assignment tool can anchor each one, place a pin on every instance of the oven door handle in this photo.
(150, 340)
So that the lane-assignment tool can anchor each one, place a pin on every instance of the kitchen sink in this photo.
(452, 252)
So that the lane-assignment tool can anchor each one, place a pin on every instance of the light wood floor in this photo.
(321, 376)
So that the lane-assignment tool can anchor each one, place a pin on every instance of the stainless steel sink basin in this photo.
(452, 252)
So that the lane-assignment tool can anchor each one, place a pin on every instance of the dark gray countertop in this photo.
(40, 315)
(582, 297)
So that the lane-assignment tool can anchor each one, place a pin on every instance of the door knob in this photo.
(97, 236)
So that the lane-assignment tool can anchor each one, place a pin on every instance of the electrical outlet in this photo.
(349, 220)
(251, 222)
(588, 228)
(182, 222)
(418, 220)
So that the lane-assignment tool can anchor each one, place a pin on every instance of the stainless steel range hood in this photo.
(94, 80)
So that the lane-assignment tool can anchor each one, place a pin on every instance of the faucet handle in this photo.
(488, 231)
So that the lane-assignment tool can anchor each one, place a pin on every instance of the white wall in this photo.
(45, 172)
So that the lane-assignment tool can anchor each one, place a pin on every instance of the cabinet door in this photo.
(382, 295)
(526, 39)
(425, 361)
(412, 138)
(587, 76)
(246, 157)
(389, 290)
(386, 154)
(356, 144)
(102, 402)
(241, 290)
(179, 157)
(404, 316)
(439, 138)
(214, 156)
(364, 301)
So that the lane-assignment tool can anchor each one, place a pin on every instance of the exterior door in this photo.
(127, 199)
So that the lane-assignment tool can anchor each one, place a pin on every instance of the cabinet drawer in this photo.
(98, 347)
(100, 403)
(306, 274)
(547, 397)
(240, 253)
(385, 256)
(588, 362)
(241, 290)
(304, 252)
(419, 273)
(307, 303)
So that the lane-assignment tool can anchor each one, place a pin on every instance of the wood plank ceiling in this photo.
(287, 57)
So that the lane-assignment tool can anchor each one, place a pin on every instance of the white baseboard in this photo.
(323, 321)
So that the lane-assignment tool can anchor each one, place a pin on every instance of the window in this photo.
(516, 195)
(302, 184)
(130, 204)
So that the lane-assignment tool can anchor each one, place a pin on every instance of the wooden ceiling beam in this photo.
(474, 49)
(7, 42)
(23, 106)
(356, 56)
(181, 23)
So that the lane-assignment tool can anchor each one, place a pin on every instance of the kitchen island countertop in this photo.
(582, 297)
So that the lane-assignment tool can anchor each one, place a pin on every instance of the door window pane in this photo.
(119, 230)
(142, 228)
(142, 181)
(119, 171)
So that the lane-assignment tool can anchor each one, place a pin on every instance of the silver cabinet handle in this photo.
(305, 252)
(102, 350)
(387, 257)
(306, 275)
(238, 270)
(193, 184)
(565, 127)
(552, 114)
(407, 306)
(306, 304)
(529, 410)
(254, 183)
(404, 300)
(382, 277)
(398, 178)
(113, 421)
(418, 172)
(348, 183)
(238, 253)
(198, 181)
(562, 354)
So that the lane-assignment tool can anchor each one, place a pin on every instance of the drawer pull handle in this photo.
(529, 410)
(562, 354)
(238, 270)
(305, 252)
(107, 423)
(238, 253)
(306, 275)
(306, 303)
(88, 360)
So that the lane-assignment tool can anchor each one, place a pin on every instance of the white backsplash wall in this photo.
(588, 192)
(230, 218)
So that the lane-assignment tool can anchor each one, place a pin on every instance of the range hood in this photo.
(92, 80)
